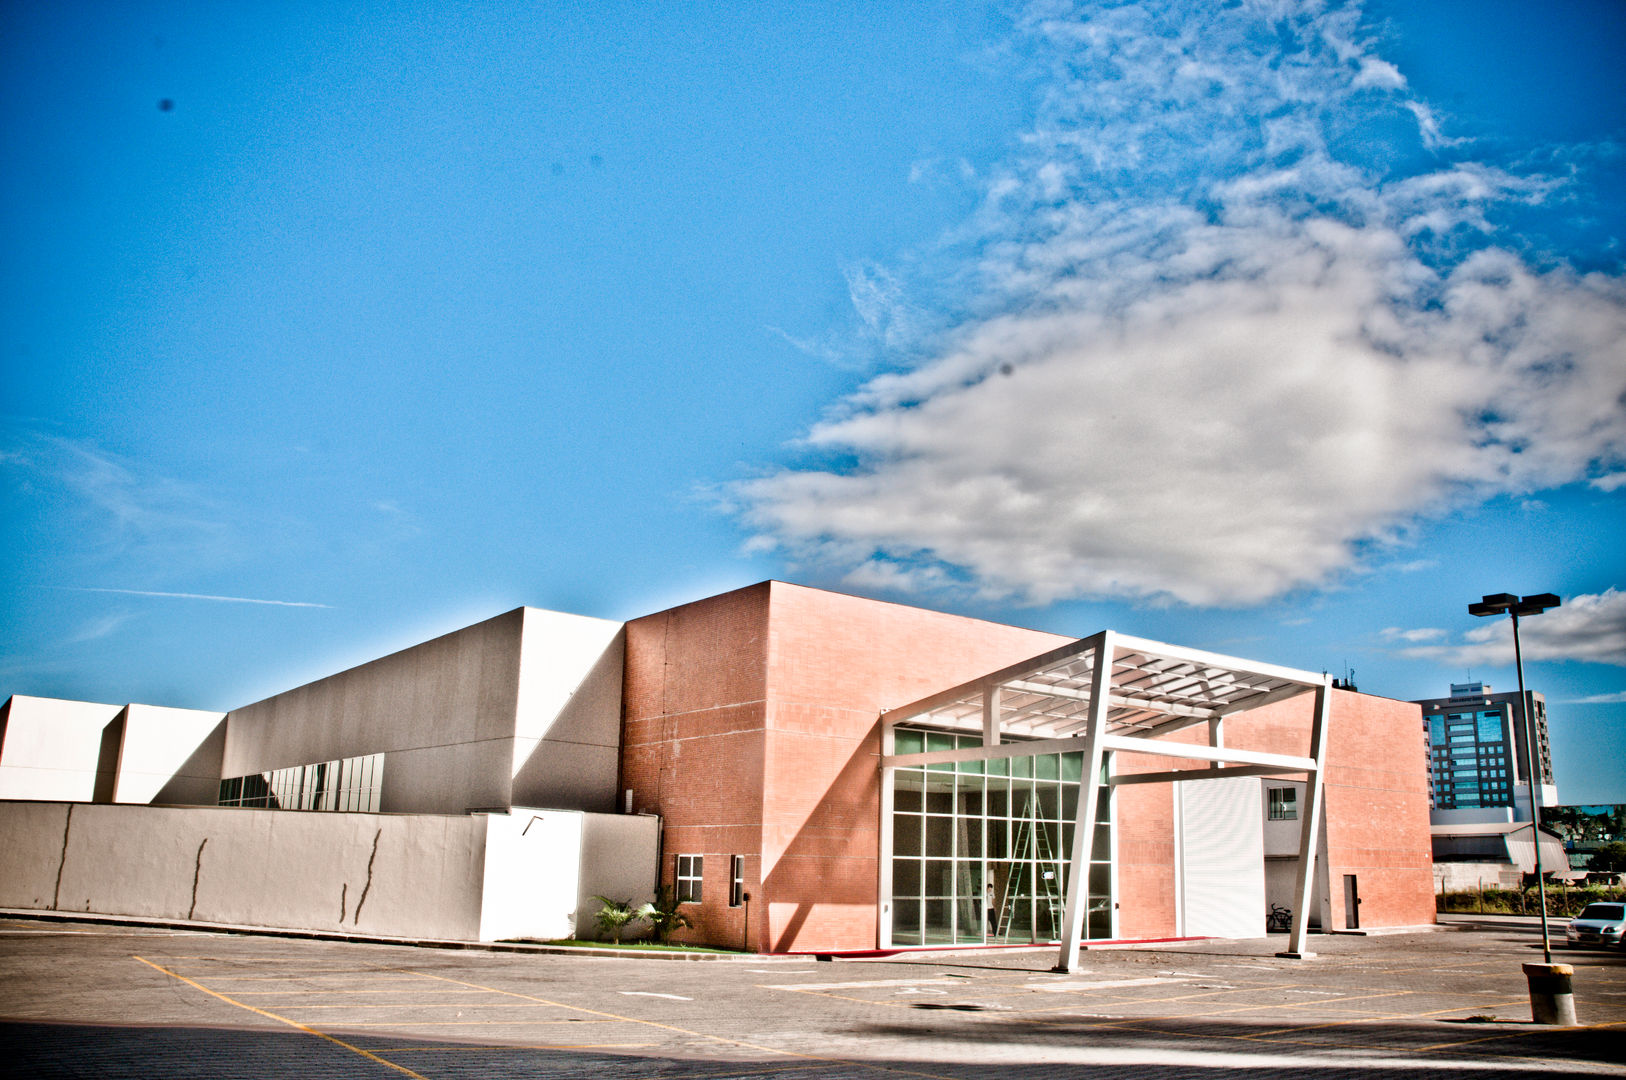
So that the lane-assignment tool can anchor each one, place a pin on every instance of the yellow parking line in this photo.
(284, 1020)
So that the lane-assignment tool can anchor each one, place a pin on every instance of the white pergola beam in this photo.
(1230, 664)
(1285, 762)
(1026, 748)
(957, 694)
(1201, 774)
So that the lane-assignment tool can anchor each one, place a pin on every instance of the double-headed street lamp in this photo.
(1515, 606)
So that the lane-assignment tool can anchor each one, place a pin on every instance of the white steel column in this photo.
(1078, 867)
(1310, 826)
(883, 899)
(990, 715)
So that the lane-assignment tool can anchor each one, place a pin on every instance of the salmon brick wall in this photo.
(752, 726)
(834, 663)
(1376, 792)
(693, 744)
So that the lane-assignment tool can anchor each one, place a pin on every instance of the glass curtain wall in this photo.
(980, 848)
(348, 784)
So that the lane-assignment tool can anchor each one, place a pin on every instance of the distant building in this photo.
(1495, 855)
(1477, 758)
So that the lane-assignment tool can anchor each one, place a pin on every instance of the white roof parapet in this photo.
(1155, 688)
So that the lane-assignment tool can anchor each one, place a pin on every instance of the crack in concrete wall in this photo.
(365, 888)
(344, 892)
(197, 872)
(62, 863)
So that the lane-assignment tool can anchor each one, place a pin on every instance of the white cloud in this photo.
(1428, 633)
(100, 627)
(1590, 627)
(131, 510)
(1200, 356)
(1617, 698)
(192, 596)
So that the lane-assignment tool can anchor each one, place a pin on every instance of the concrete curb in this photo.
(375, 939)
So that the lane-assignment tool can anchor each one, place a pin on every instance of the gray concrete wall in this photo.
(527, 874)
(368, 873)
(620, 858)
(443, 713)
(523, 708)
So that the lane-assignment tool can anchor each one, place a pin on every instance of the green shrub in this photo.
(663, 915)
(1562, 900)
(615, 915)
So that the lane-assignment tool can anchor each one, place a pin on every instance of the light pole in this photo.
(1516, 606)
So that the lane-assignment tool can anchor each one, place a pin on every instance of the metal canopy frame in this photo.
(1069, 700)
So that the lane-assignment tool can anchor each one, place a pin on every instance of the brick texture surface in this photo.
(751, 724)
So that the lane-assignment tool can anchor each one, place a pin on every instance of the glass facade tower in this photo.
(1476, 748)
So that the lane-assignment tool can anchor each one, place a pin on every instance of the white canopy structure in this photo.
(1069, 699)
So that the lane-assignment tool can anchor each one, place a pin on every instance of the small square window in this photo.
(1284, 804)
(689, 873)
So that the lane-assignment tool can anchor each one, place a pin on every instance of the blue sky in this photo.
(1280, 329)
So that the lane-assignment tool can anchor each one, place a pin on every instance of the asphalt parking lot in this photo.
(86, 1000)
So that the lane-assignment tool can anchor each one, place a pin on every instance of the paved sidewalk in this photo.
(117, 1001)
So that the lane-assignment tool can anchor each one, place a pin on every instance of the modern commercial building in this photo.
(1478, 763)
(808, 771)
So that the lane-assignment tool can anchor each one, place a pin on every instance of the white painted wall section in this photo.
(1220, 847)
(545, 870)
(532, 875)
(51, 748)
(567, 719)
(170, 756)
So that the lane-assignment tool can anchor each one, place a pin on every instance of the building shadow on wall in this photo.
(834, 857)
(197, 781)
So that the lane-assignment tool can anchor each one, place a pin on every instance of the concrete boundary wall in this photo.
(369, 873)
(480, 877)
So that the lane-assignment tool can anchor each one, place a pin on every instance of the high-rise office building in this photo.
(1477, 757)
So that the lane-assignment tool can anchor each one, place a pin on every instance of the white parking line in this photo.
(877, 983)
(651, 993)
(1097, 984)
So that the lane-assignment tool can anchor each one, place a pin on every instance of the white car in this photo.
(1598, 924)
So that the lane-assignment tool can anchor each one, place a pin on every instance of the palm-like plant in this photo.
(615, 915)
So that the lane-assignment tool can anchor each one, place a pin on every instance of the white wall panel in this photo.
(1220, 845)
